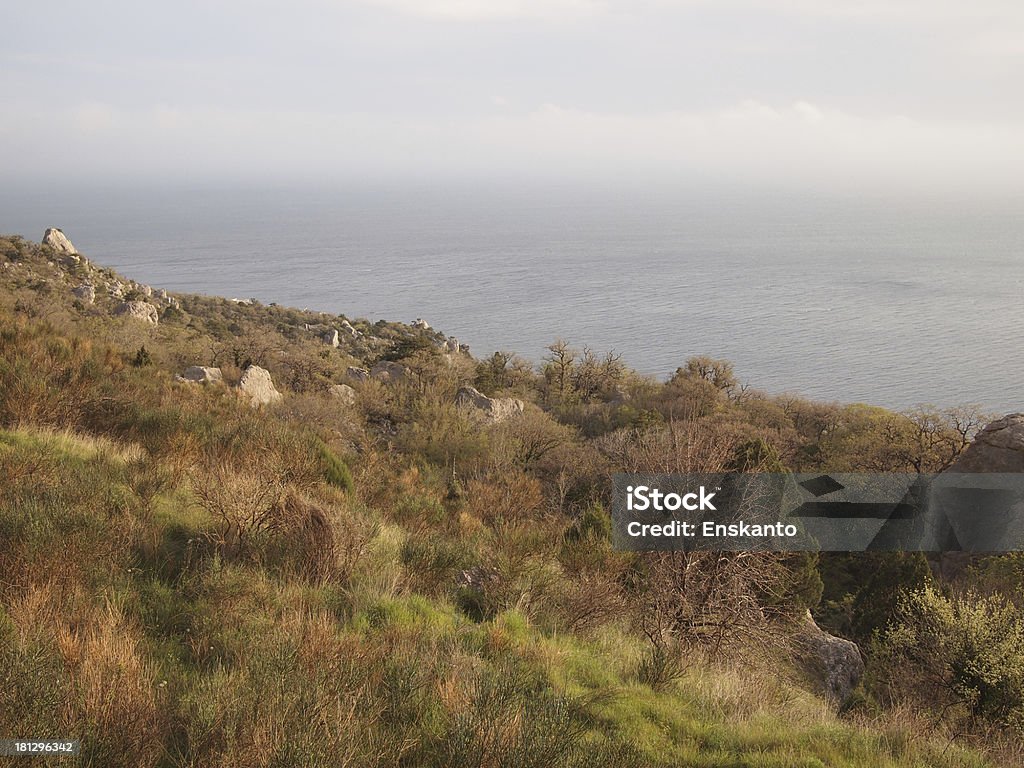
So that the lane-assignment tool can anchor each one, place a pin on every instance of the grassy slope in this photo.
(122, 625)
(211, 665)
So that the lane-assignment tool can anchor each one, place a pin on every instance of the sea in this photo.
(893, 300)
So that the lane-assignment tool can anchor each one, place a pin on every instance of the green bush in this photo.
(961, 658)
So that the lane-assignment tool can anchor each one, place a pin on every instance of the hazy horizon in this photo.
(828, 96)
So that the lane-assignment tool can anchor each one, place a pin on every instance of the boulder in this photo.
(494, 408)
(59, 242)
(86, 293)
(330, 338)
(342, 392)
(835, 663)
(999, 447)
(357, 374)
(386, 370)
(257, 385)
(202, 375)
(138, 310)
(346, 326)
(422, 324)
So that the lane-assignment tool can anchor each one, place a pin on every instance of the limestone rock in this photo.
(357, 374)
(330, 338)
(422, 324)
(138, 310)
(346, 326)
(86, 293)
(495, 408)
(257, 385)
(835, 662)
(342, 392)
(999, 447)
(386, 370)
(59, 242)
(202, 375)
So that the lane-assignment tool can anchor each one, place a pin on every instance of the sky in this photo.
(920, 94)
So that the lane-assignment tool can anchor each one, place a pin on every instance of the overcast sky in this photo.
(924, 93)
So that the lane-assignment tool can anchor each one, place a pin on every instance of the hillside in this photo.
(243, 535)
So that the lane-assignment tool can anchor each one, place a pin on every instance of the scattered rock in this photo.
(495, 408)
(145, 290)
(835, 662)
(138, 310)
(202, 375)
(59, 242)
(386, 370)
(116, 290)
(258, 386)
(86, 293)
(343, 392)
(422, 324)
(346, 326)
(330, 338)
(357, 374)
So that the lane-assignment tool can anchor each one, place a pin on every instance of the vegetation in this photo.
(188, 581)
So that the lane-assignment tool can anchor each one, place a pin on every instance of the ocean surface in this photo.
(895, 303)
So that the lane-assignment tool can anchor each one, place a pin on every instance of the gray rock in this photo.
(59, 242)
(357, 374)
(451, 346)
(999, 447)
(342, 392)
(138, 310)
(202, 375)
(494, 408)
(258, 386)
(835, 663)
(422, 324)
(330, 338)
(386, 370)
(86, 293)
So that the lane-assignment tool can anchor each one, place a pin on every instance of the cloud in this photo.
(750, 142)
(489, 10)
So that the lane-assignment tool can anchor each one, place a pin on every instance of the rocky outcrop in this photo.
(202, 375)
(451, 346)
(357, 374)
(421, 324)
(59, 242)
(999, 447)
(258, 386)
(494, 408)
(330, 338)
(138, 310)
(342, 392)
(835, 663)
(346, 326)
(386, 370)
(85, 293)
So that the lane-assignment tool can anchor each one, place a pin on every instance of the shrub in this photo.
(961, 658)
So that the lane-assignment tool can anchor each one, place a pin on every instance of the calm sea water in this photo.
(893, 303)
